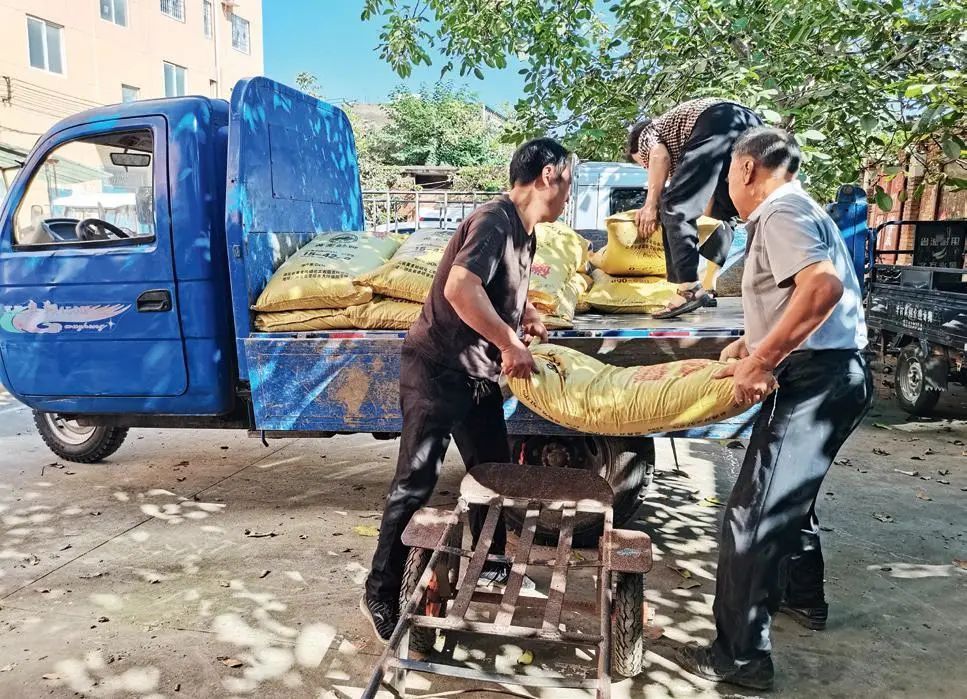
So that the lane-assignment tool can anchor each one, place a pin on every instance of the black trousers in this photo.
(701, 175)
(437, 402)
(770, 531)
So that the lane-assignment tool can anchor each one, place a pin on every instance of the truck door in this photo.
(88, 304)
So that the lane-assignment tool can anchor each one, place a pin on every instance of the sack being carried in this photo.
(629, 294)
(409, 274)
(559, 255)
(320, 274)
(579, 392)
(626, 256)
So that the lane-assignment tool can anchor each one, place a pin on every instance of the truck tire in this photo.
(627, 463)
(919, 380)
(628, 625)
(421, 639)
(73, 442)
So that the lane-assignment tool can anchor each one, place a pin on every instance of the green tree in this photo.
(859, 81)
(440, 125)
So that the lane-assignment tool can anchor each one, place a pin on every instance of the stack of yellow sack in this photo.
(558, 279)
(579, 392)
(317, 288)
(630, 274)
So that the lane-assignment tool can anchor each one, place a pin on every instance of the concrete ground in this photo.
(202, 564)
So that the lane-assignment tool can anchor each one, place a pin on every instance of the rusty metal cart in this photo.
(436, 597)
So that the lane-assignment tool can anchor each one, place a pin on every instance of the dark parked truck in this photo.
(135, 312)
(917, 308)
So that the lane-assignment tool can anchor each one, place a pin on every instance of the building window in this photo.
(129, 93)
(240, 34)
(46, 45)
(208, 15)
(174, 9)
(115, 11)
(175, 79)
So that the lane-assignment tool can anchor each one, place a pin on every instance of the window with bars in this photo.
(208, 17)
(240, 34)
(45, 41)
(115, 11)
(174, 9)
(176, 78)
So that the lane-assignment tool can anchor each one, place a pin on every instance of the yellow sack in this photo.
(409, 274)
(320, 274)
(560, 253)
(560, 314)
(583, 394)
(629, 294)
(625, 256)
(303, 321)
(385, 314)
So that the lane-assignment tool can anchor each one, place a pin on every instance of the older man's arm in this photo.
(817, 291)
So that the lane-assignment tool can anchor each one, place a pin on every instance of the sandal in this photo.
(693, 301)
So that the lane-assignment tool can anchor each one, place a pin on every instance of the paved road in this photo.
(134, 577)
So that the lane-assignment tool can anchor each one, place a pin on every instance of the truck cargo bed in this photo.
(348, 380)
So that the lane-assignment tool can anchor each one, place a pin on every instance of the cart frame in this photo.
(497, 487)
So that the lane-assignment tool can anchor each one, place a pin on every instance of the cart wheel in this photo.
(421, 640)
(918, 380)
(627, 625)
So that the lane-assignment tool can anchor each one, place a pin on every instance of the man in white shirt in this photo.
(803, 350)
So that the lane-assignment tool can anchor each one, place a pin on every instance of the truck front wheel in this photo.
(72, 441)
(627, 463)
(919, 380)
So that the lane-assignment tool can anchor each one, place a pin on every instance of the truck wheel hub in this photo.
(556, 455)
(69, 431)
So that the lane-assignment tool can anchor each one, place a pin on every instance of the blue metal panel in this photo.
(849, 211)
(125, 367)
(69, 325)
(292, 174)
(342, 385)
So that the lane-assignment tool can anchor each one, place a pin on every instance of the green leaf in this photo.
(772, 116)
(913, 91)
(884, 201)
(951, 148)
(868, 123)
(478, 73)
(813, 135)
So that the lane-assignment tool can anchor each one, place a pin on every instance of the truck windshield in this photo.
(81, 181)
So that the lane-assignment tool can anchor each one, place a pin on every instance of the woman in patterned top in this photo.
(690, 147)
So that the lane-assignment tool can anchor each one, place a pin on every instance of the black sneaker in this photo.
(812, 617)
(699, 660)
(382, 615)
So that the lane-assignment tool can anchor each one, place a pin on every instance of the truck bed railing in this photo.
(936, 260)
(402, 210)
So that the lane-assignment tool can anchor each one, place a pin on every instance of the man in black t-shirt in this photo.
(466, 336)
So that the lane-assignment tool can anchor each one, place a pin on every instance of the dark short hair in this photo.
(532, 157)
(770, 147)
(634, 137)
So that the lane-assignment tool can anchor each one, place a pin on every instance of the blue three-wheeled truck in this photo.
(134, 310)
